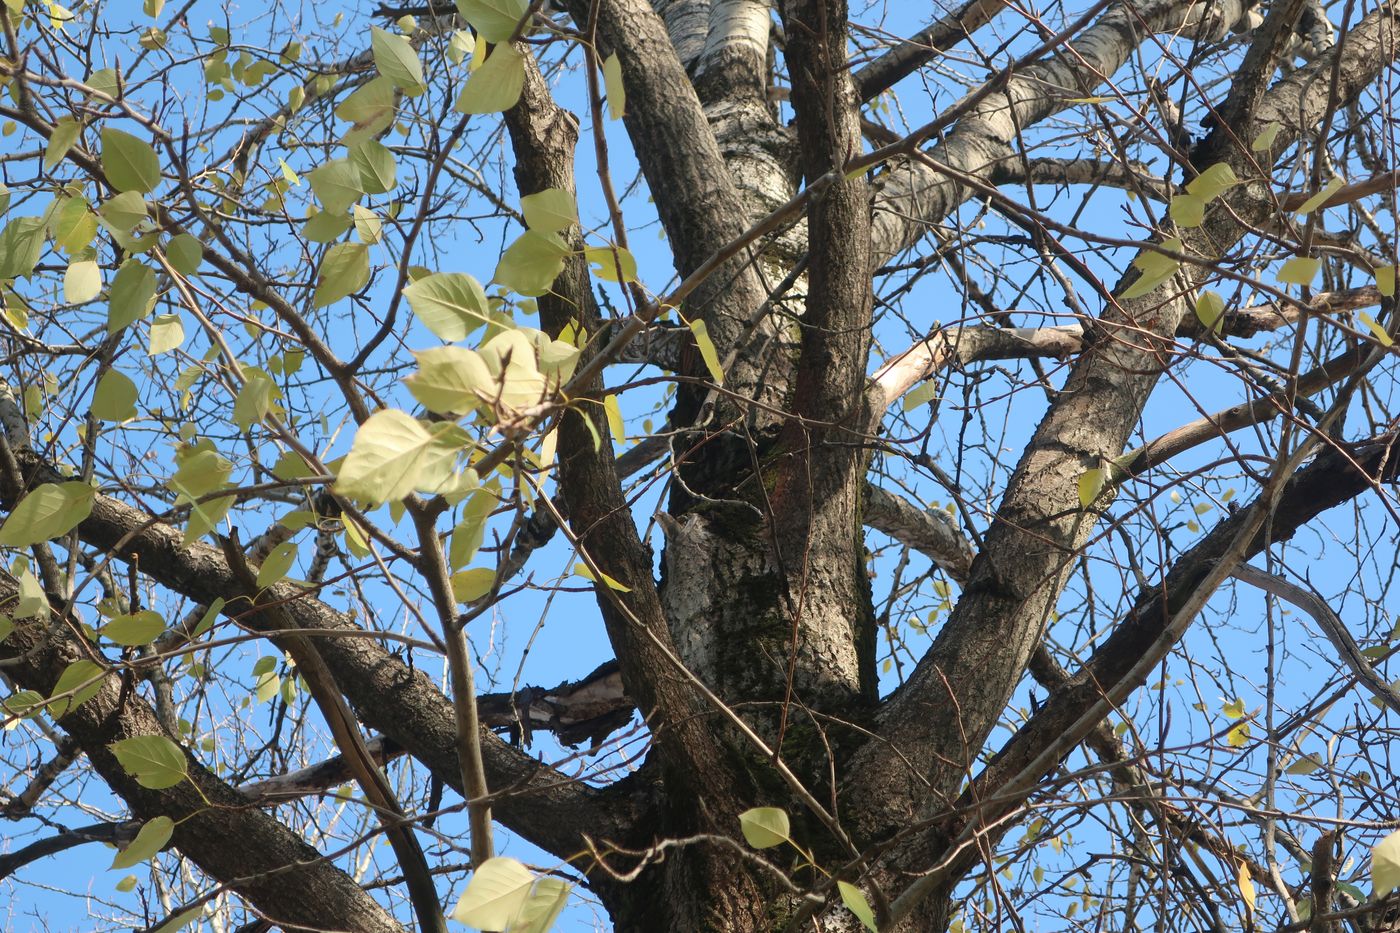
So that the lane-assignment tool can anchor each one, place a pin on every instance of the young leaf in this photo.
(1208, 185)
(1300, 270)
(374, 162)
(616, 426)
(1091, 483)
(124, 211)
(130, 164)
(1265, 139)
(50, 511)
(470, 585)
(397, 60)
(1155, 267)
(1187, 210)
(450, 380)
(344, 271)
(185, 254)
(150, 839)
(65, 133)
(923, 394)
(114, 399)
(1376, 329)
(496, 85)
(132, 296)
(497, 891)
(765, 827)
(256, 399)
(1246, 886)
(854, 899)
(138, 628)
(337, 185)
(167, 333)
(20, 245)
(1210, 311)
(612, 83)
(493, 20)
(1385, 865)
(276, 565)
(711, 359)
(612, 263)
(82, 282)
(1334, 184)
(79, 682)
(450, 304)
(1385, 280)
(549, 211)
(394, 455)
(532, 263)
(155, 761)
(581, 569)
(367, 225)
(370, 110)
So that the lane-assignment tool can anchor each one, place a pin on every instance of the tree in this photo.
(943, 482)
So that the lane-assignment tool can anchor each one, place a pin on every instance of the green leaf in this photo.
(200, 473)
(114, 399)
(337, 185)
(1385, 280)
(256, 399)
(1210, 311)
(1300, 270)
(397, 60)
(546, 902)
(82, 282)
(277, 564)
(137, 628)
(581, 569)
(765, 827)
(1091, 483)
(1234, 709)
(1385, 865)
(470, 585)
(450, 380)
(374, 162)
(549, 211)
(132, 296)
(73, 226)
(1155, 268)
(20, 245)
(344, 271)
(325, 227)
(498, 890)
(1187, 210)
(180, 921)
(493, 20)
(394, 455)
(185, 254)
(167, 333)
(151, 838)
(1208, 185)
(854, 899)
(460, 46)
(496, 85)
(50, 511)
(125, 210)
(1334, 184)
(450, 304)
(130, 164)
(65, 133)
(1265, 140)
(532, 263)
(127, 884)
(367, 225)
(370, 109)
(155, 761)
(612, 263)
(612, 83)
(79, 682)
(32, 599)
(922, 395)
(517, 383)
(1305, 765)
(105, 81)
(1376, 329)
(469, 533)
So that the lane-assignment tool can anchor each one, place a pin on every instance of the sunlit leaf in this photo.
(612, 263)
(124, 211)
(550, 210)
(132, 295)
(276, 565)
(370, 109)
(1246, 885)
(167, 333)
(79, 682)
(344, 271)
(337, 185)
(1305, 765)
(854, 899)
(374, 162)
(496, 85)
(1334, 184)
(1210, 311)
(765, 827)
(1091, 483)
(1385, 865)
(20, 246)
(155, 761)
(450, 304)
(1155, 268)
(1376, 329)
(50, 511)
(1300, 270)
(65, 133)
(257, 398)
(450, 380)
(1210, 183)
(470, 585)
(1187, 210)
(581, 569)
(150, 839)
(493, 20)
(114, 399)
(136, 628)
(82, 282)
(1265, 139)
(397, 60)
(394, 455)
(616, 426)
(530, 265)
(129, 163)
(612, 83)
(1385, 280)
(185, 254)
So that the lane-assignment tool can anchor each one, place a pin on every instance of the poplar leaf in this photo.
(1385, 865)
(1385, 280)
(1246, 886)
(612, 263)
(82, 282)
(924, 393)
(496, 85)
(450, 380)
(1155, 268)
(136, 628)
(1376, 329)
(185, 254)
(1187, 210)
(1208, 185)
(470, 585)
(397, 60)
(495, 895)
(277, 564)
(550, 210)
(765, 827)
(336, 184)
(1300, 270)
(1266, 139)
(530, 265)
(114, 399)
(581, 569)
(65, 133)
(706, 346)
(344, 271)
(50, 511)
(132, 296)
(79, 682)
(616, 426)
(854, 899)
(493, 20)
(1091, 483)
(612, 83)
(167, 333)
(1210, 311)
(1334, 184)
(394, 455)
(450, 304)
(150, 839)
(130, 164)
(155, 761)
